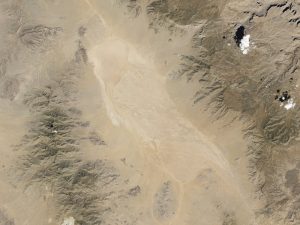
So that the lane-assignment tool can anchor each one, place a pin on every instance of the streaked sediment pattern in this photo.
(149, 112)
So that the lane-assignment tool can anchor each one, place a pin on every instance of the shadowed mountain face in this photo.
(185, 13)
(251, 86)
(149, 112)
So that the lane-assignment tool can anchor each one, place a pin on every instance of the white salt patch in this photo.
(245, 44)
(290, 104)
(68, 221)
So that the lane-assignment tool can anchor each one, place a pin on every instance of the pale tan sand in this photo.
(97, 126)
(136, 98)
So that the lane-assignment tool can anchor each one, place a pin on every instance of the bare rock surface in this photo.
(154, 112)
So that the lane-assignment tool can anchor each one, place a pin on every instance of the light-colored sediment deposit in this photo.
(149, 112)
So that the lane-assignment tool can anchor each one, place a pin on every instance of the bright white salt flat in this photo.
(68, 221)
(245, 44)
(290, 104)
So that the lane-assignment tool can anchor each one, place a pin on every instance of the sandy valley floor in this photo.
(122, 112)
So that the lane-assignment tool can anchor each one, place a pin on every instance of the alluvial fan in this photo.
(149, 112)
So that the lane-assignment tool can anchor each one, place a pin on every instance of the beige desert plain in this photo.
(122, 112)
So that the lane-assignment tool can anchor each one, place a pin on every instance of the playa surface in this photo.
(149, 112)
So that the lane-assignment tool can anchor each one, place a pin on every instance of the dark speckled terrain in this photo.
(123, 112)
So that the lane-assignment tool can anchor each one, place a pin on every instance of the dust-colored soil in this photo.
(147, 112)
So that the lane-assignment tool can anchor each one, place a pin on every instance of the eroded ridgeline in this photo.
(51, 150)
(81, 189)
(247, 65)
(260, 86)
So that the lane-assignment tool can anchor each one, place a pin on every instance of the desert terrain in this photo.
(149, 112)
